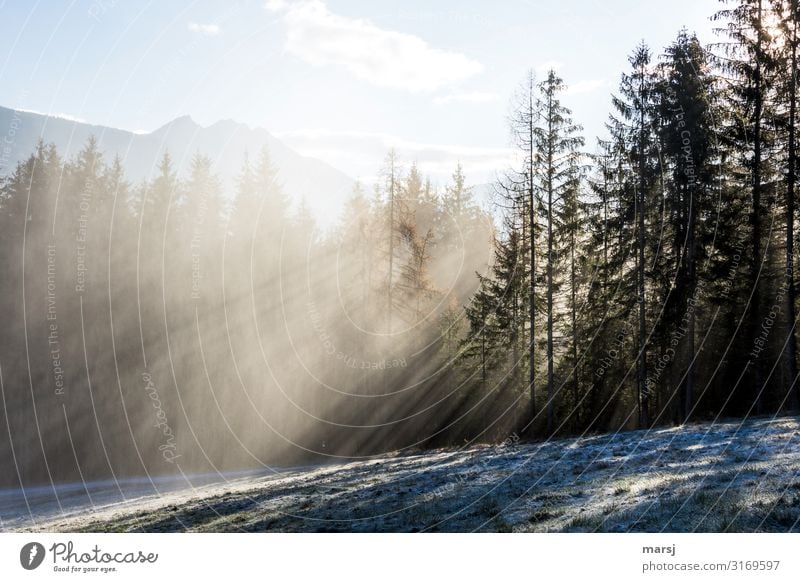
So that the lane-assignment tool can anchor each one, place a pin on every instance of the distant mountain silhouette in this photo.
(225, 142)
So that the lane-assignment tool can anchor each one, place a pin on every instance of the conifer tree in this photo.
(634, 128)
(745, 58)
(556, 143)
(686, 98)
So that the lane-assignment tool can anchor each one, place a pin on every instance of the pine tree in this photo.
(414, 284)
(521, 196)
(787, 55)
(746, 59)
(556, 143)
(634, 129)
(686, 97)
(393, 218)
(572, 218)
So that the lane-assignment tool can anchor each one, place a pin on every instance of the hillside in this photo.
(727, 476)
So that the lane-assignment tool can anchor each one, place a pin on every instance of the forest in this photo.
(643, 280)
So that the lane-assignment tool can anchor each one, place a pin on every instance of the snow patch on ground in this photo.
(730, 476)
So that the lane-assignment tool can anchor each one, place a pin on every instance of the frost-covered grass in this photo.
(728, 476)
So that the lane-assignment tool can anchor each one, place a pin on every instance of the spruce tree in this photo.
(556, 143)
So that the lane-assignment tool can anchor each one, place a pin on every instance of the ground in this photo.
(713, 477)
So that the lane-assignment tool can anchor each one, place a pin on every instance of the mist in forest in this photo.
(183, 324)
(172, 327)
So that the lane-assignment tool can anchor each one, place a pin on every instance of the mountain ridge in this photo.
(226, 141)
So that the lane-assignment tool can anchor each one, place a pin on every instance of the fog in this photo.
(168, 326)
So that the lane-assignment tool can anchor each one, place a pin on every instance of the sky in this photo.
(340, 80)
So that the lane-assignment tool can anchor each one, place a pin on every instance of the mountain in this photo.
(324, 188)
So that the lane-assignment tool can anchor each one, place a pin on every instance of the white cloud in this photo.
(275, 5)
(205, 29)
(472, 97)
(382, 57)
(583, 87)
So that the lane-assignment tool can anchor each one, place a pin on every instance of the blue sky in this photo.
(341, 80)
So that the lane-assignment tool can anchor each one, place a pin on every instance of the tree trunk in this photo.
(550, 170)
(755, 215)
(790, 186)
(391, 247)
(573, 285)
(691, 272)
(641, 374)
(532, 299)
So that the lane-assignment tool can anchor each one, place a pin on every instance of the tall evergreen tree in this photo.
(635, 127)
(745, 58)
(556, 143)
(686, 97)
(788, 12)
(522, 196)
